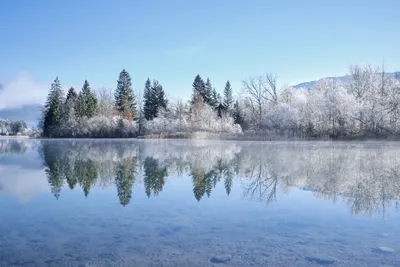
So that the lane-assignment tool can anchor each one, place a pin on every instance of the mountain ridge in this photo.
(309, 84)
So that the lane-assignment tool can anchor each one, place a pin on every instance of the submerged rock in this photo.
(384, 249)
(221, 259)
(321, 259)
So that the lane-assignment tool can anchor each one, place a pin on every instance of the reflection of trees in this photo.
(154, 176)
(53, 168)
(365, 178)
(9, 147)
(262, 184)
(125, 179)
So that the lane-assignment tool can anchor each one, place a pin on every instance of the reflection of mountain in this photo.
(364, 176)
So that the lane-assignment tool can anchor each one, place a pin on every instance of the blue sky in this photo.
(174, 40)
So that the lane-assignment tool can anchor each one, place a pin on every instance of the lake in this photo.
(199, 203)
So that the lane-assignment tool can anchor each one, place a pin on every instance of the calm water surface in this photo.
(199, 203)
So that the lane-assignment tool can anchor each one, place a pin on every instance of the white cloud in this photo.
(22, 90)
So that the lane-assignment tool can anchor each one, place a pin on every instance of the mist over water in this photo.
(198, 203)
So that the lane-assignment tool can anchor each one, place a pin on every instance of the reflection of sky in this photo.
(22, 184)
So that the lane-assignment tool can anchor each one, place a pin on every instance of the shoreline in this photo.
(15, 137)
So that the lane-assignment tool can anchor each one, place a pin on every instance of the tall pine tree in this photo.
(154, 99)
(87, 103)
(70, 106)
(159, 95)
(53, 109)
(238, 116)
(199, 87)
(208, 93)
(124, 96)
(148, 101)
(214, 100)
(228, 97)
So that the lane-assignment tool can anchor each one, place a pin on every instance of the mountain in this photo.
(340, 78)
(28, 113)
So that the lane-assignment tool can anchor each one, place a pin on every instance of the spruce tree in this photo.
(228, 98)
(208, 93)
(90, 103)
(238, 115)
(214, 100)
(124, 96)
(53, 109)
(154, 99)
(159, 96)
(70, 106)
(148, 99)
(198, 87)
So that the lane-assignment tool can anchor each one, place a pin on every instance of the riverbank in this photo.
(15, 137)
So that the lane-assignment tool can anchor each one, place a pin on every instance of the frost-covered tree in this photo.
(106, 103)
(149, 101)
(238, 116)
(159, 96)
(53, 109)
(208, 93)
(199, 87)
(228, 97)
(125, 97)
(154, 99)
(87, 103)
(70, 106)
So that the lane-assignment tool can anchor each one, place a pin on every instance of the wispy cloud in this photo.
(22, 90)
(186, 51)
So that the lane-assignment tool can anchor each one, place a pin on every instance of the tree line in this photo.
(122, 114)
(13, 127)
(365, 103)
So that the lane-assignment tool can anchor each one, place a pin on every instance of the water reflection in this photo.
(9, 147)
(363, 175)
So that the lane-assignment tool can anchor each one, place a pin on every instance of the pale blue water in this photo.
(199, 203)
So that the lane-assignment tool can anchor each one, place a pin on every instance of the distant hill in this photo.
(28, 113)
(340, 78)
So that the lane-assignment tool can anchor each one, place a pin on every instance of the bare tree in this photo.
(106, 102)
(179, 111)
(270, 87)
(259, 91)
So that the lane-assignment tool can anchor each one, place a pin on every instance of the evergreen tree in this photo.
(124, 96)
(70, 106)
(220, 109)
(154, 98)
(148, 99)
(238, 115)
(208, 93)
(228, 98)
(198, 87)
(87, 101)
(159, 96)
(214, 100)
(53, 109)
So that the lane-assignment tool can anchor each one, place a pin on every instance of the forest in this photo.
(363, 104)
(11, 127)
